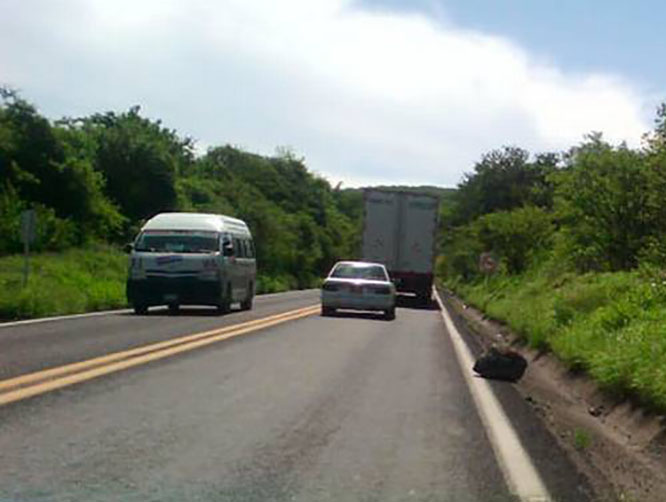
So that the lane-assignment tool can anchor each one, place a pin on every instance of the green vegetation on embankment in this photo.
(69, 282)
(579, 243)
(78, 280)
(611, 325)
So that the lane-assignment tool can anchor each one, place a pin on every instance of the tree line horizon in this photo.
(593, 207)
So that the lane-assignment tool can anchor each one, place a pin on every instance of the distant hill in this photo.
(354, 198)
(441, 192)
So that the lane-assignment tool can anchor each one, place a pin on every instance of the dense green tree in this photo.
(298, 227)
(504, 179)
(98, 177)
(602, 205)
(139, 158)
(514, 237)
(30, 153)
(49, 167)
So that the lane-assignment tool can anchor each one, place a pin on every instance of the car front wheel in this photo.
(389, 314)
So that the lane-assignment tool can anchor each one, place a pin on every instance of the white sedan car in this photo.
(358, 285)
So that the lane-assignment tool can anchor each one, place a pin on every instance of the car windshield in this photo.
(354, 271)
(178, 242)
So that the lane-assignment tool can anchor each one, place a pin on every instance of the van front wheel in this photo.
(247, 303)
(224, 307)
(140, 309)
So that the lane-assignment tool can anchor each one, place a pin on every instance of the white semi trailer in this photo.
(399, 230)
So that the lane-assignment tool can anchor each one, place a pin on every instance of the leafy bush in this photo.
(52, 233)
(515, 236)
(504, 180)
(603, 204)
(277, 284)
(512, 237)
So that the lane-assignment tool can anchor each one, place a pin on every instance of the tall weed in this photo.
(77, 280)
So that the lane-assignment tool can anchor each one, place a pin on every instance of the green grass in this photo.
(610, 325)
(278, 284)
(285, 282)
(81, 280)
(581, 439)
(78, 280)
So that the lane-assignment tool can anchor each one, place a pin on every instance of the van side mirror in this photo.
(129, 247)
(227, 249)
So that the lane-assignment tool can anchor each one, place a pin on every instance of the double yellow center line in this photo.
(40, 382)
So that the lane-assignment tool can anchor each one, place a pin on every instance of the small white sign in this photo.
(487, 263)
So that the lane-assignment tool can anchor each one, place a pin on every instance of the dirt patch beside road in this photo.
(619, 446)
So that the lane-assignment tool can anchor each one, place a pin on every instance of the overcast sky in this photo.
(369, 92)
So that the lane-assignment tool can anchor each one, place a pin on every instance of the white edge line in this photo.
(62, 318)
(519, 471)
(24, 322)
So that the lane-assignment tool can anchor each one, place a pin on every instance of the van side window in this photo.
(226, 239)
(238, 248)
(250, 248)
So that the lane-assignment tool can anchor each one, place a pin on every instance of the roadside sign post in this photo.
(28, 231)
(487, 265)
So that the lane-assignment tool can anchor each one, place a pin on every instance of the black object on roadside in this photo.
(501, 364)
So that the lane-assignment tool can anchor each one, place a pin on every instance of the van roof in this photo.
(196, 221)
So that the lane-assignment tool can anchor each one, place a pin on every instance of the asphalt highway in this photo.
(344, 408)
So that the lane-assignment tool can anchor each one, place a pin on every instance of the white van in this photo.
(192, 258)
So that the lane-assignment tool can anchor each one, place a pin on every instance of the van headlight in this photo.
(136, 270)
(210, 272)
(209, 275)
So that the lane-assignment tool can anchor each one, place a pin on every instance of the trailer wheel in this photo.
(424, 297)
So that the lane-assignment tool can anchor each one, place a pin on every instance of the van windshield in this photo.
(178, 242)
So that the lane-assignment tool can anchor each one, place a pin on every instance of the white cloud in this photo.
(364, 95)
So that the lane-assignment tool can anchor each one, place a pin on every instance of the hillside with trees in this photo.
(95, 179)
(579, 242)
